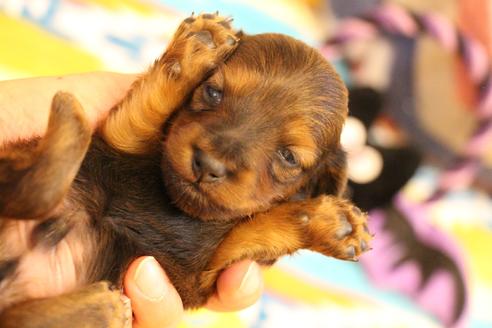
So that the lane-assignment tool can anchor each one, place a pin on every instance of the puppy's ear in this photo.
(329, 178)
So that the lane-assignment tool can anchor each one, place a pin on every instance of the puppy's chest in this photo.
(133, 215)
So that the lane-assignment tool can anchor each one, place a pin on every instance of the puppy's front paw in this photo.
(337, 228)
(199, 45)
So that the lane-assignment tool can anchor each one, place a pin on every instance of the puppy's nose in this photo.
(207, 168)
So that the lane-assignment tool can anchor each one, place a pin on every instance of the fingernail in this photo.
(150, 279)
(127, 305)
(251, 280)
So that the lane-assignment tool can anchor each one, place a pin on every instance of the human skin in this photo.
(24, 111)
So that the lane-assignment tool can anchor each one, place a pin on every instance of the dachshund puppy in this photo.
(226, 149)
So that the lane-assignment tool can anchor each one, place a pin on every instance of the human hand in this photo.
(156, 303)
(26, 117)
(25, 103)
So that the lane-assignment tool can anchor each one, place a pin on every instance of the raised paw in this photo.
(337, 228)
(199, 45)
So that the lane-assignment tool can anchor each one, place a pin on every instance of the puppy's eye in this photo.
(288, 157)
(212, 95)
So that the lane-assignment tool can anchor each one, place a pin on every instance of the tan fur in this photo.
(312, 224)
(27, 182)
(133, 127)
(246, 145)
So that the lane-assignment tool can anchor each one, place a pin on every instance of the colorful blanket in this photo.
(52, 37)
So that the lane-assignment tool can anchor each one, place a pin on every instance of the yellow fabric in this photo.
(134, 5)
(31, 51)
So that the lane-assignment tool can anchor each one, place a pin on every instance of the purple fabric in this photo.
(396, 20)
(442, 30)
(389, 18)
(437, 295)
(459, 176)
(481, 141)
(485, 104)
(476, 59)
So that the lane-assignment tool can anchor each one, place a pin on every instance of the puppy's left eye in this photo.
(288, 157)
(212, 95)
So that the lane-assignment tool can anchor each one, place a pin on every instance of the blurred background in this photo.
(419, 141)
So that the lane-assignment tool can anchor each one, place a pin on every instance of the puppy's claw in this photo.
(225, 24)
(363, 245)
(239, 33)
(356, 211)
(190, 19)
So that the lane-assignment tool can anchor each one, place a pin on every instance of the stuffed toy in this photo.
(410, 255)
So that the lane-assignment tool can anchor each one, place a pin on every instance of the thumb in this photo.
(155, 302)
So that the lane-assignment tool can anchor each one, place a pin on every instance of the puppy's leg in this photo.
(34, 177)
(93, 306)
(198, 46)
(329, 225)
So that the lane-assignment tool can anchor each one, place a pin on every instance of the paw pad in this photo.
(199, 45)
(345, 228)
(205, 37)
(350, 253)
(339, 229)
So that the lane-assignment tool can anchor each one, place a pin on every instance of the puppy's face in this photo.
(263, 128)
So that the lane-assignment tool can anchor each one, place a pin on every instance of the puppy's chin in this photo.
(196, 202)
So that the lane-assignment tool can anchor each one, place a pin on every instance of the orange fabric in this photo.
(473, 19)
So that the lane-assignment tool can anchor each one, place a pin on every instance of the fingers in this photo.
(155, 302)
(237, 287)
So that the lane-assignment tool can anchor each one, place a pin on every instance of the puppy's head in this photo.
(262, 129)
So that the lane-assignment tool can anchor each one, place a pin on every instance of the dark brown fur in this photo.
(196, 182)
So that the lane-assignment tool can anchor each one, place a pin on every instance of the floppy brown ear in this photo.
(332, 176)
(329, 178)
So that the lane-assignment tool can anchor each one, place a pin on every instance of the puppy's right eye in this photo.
(288, 157)
(212, 95)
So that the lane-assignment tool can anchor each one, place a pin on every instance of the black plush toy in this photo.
(409, 255)
(390, 164)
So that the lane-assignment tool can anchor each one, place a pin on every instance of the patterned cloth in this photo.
(51, 37)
